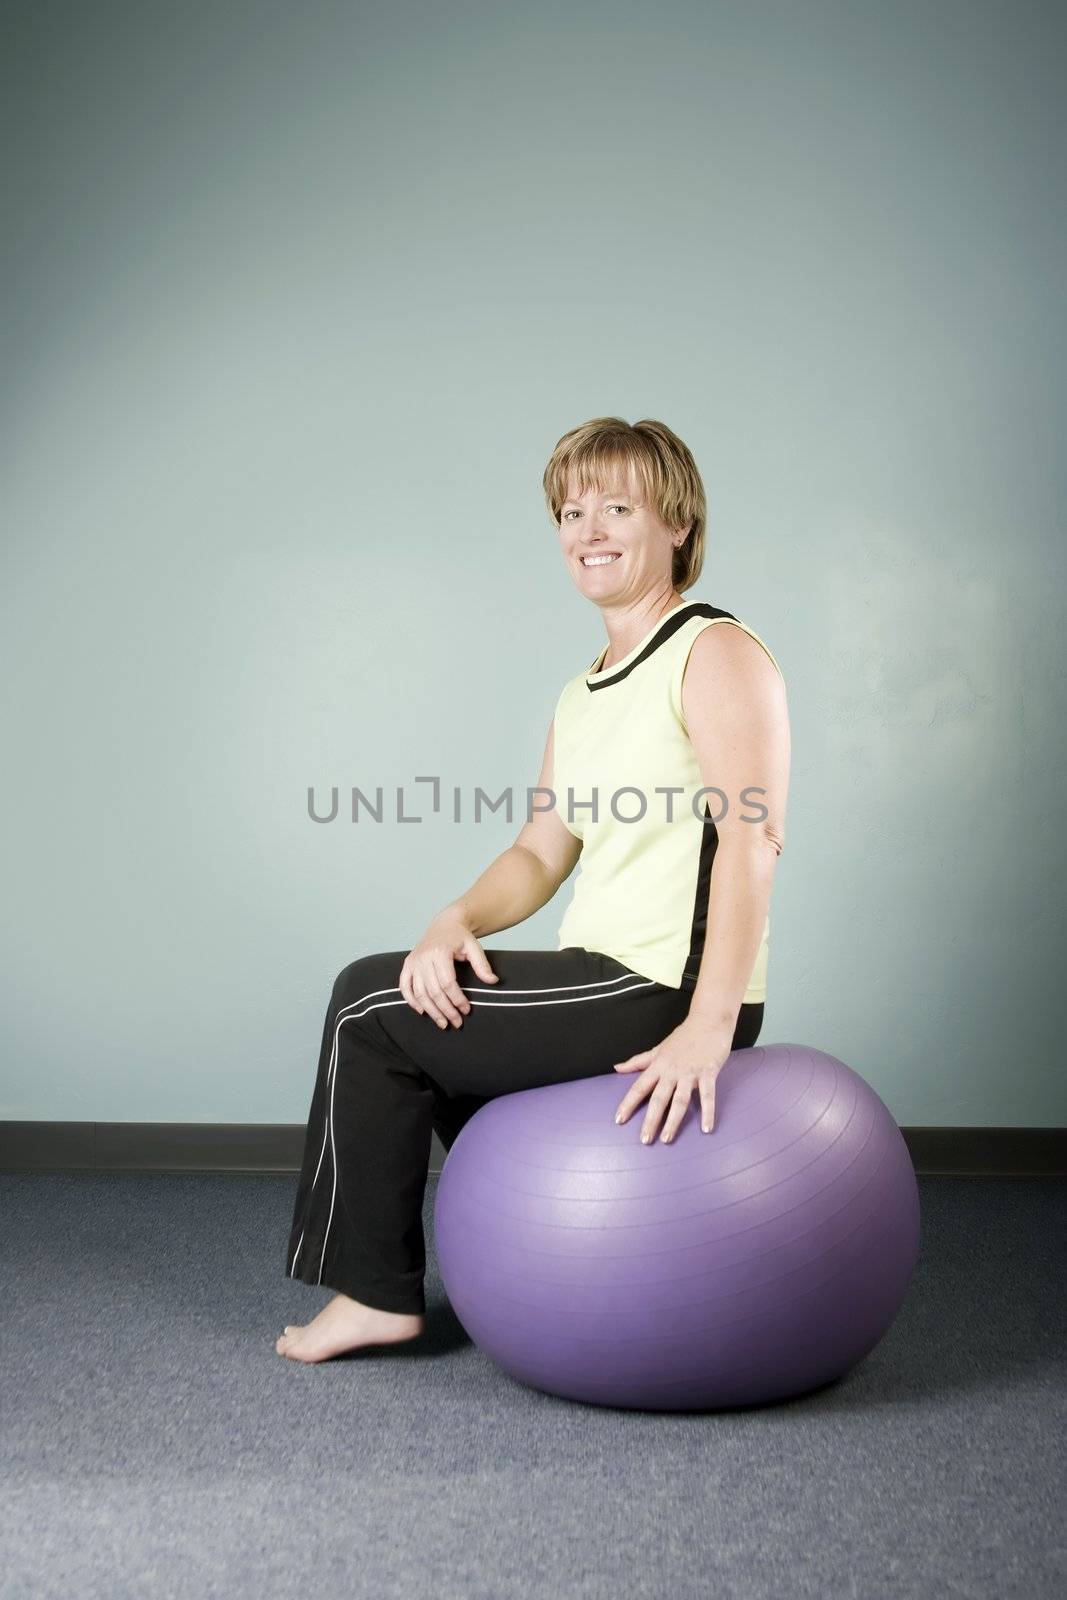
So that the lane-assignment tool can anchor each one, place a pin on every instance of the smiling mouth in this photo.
(599, 561)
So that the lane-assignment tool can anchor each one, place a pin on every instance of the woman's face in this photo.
(615, 523)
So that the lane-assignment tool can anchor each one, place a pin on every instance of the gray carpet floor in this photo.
(154, 1444)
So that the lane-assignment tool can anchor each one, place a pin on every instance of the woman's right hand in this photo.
(428, 977)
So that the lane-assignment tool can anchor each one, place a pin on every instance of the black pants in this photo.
(388, 1077)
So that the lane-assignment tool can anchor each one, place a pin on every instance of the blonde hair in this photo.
(651, 454)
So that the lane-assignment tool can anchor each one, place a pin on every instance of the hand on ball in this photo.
(690, 1057)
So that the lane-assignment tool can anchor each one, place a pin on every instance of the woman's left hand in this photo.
(690, 1057)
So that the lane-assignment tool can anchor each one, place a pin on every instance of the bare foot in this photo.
(345, 1324)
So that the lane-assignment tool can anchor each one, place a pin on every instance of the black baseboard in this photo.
(262, 1147)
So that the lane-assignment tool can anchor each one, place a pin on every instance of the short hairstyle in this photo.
(650, 454)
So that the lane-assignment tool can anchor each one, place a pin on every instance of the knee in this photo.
(348, 976)
(367, 975)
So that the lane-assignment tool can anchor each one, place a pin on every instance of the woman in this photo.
(661, 965)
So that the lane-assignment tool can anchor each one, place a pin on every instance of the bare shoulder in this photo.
(727, 654)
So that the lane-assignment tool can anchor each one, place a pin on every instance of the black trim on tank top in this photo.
(709, 843)
(672, 622)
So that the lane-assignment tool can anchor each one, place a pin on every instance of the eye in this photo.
(616, 506)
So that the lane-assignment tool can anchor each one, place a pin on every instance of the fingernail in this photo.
(645, 1138)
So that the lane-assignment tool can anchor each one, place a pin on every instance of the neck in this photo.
(628, 624)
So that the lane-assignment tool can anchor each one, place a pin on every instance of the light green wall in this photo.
(302, 298)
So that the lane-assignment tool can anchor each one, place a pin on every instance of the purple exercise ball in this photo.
(748, 1264)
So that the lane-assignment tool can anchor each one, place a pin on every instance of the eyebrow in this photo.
(609, 494)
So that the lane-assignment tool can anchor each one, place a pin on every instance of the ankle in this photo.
(381, 1311)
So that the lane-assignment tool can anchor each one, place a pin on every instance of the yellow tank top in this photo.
(644, 873)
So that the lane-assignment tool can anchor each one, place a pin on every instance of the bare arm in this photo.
(526, 875)
(522, 879)
(734, 703)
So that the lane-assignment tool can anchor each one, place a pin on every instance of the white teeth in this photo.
(597, 561)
